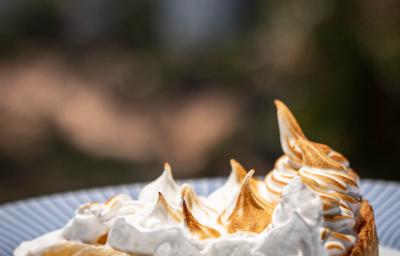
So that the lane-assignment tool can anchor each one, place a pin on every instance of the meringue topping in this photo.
(278, 178)
(93, 220)
(240, 171)
(290, 131)
(325, 171)
(307, 205)
(248, 212)
(197, 205)
(196, 228)
(244, 227)
(164, 211)
(286, 167)
(314, 157)
(164, 184)
(338, 190)
(221, 197)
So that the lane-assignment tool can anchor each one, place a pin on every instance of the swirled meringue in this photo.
(339, 193)
(324, 171)
(278, 178)
(286, 166)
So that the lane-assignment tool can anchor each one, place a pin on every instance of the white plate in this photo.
(385, 251)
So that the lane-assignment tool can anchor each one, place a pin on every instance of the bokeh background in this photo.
(101, 92)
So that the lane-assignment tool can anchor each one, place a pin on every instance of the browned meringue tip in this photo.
(174, 214)
(168, 171)
(195, 227)
(280, 105)
(193, 202)
(167, 167)
(287, 118)
(239, 170)
(247, 178)
(188, 195)
(314, 157)
(290, 131)
(186, 190)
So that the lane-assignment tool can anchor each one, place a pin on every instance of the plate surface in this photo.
(27, 219)
(385, 251)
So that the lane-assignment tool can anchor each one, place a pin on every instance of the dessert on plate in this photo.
(309, 205)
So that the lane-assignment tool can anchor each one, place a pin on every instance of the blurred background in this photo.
(101, 92)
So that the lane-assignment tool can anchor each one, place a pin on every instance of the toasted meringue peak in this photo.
(221, 197)
(314, 157)
(189, 196)
(194, 203)
(167, 173)
(160, 213)
(240, 174)
(164, 184)
(289, 130)
(239, 170)
(163, 205)
(167, 166)
(286, 118)
(287, 166)
(196, 228)
(247, 212)
(324, 171)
